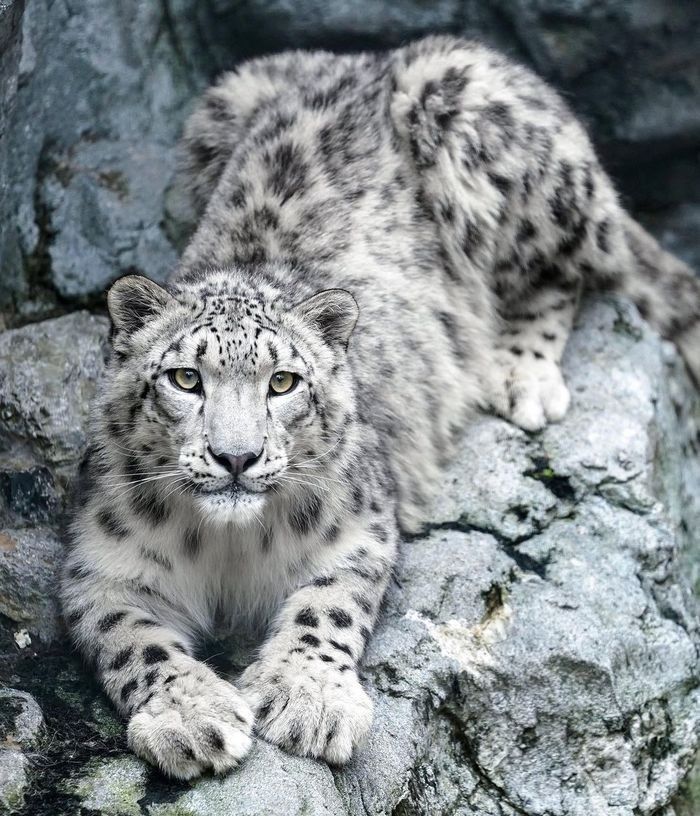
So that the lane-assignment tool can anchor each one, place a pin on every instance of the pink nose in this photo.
(236, 463)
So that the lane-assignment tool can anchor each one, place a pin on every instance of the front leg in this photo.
(526, 384)
(182, 717)
(304, 686)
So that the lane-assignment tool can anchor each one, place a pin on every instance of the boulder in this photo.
(92, 101)
(538, 650)
(22, 722)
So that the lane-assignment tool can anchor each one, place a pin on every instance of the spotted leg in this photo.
(182, 717)
(527, 386)
(304, 686)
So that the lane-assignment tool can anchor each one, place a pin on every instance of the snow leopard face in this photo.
(231, 393)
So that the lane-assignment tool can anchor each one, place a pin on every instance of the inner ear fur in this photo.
(134, 299)
(334, 312)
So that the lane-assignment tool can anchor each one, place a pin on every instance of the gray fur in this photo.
(409, 234)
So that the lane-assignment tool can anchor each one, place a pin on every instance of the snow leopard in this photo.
(385, 243)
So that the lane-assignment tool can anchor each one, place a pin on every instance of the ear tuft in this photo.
(132, 300)
(334, 312)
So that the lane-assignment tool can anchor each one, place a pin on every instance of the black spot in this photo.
(305, 516)
(110, 524)
(143, 622)
(473, 237)
(191, 544)
(154, 654)
(289, 171)
(326, 658)
(363, 602)
(340, 617)
(331, 534)
(526, 230)
(324, 580)
(357, 499)
(306, 617)
(151, 678)
(516, 350)
(550, 338)
(150, 507)
(110, 621)
(128, 689)
(364, 631)
(157, 558)
(501, 183)
(341, 647)
(214, 738)
(121, 658)
(310, 640)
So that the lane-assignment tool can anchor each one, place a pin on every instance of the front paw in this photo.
(193, 723)
(308, 706)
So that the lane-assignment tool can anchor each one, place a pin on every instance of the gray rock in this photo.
(30, 563)
(13, 779)
(48, 374)
(86, 176)
(21, 722)
(21, 718)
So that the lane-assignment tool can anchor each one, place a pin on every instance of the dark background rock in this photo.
(93, 98)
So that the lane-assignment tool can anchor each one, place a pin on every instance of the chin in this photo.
(233, 506)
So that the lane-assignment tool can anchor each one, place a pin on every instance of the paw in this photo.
(526, 390)
(197, 722)
(307, 706)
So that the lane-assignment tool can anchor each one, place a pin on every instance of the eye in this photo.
(282, 382)
(187, 379)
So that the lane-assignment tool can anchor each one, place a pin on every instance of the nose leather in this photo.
(236, 463)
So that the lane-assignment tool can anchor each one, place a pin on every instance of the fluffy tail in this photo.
(666, 291)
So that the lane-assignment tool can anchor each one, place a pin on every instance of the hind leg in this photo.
(526, 385)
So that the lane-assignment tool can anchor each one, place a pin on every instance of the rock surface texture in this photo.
(538, 652)
(93, 96)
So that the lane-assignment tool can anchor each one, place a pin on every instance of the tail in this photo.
(665, 290)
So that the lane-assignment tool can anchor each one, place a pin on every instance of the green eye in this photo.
(185, 378)
(282, 382)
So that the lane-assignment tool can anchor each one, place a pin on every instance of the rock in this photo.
(21, 721)
(112, 787)
(538, 652)
(48, 374)
(30, 563)
(13, 779)
(87, 176)
(21, 718)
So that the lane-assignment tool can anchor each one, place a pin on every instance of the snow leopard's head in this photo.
(223, 390)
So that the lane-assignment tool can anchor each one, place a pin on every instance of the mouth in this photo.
(232, 490)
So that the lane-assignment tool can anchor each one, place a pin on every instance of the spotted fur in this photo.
(408, 233)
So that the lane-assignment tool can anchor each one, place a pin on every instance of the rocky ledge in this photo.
(538, 652)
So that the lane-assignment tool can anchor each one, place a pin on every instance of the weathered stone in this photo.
(21, 721)
(21, 718)
(29, 570)
(48, 373)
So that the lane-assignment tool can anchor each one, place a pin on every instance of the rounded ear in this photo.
(333, 312)
(132, 300)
